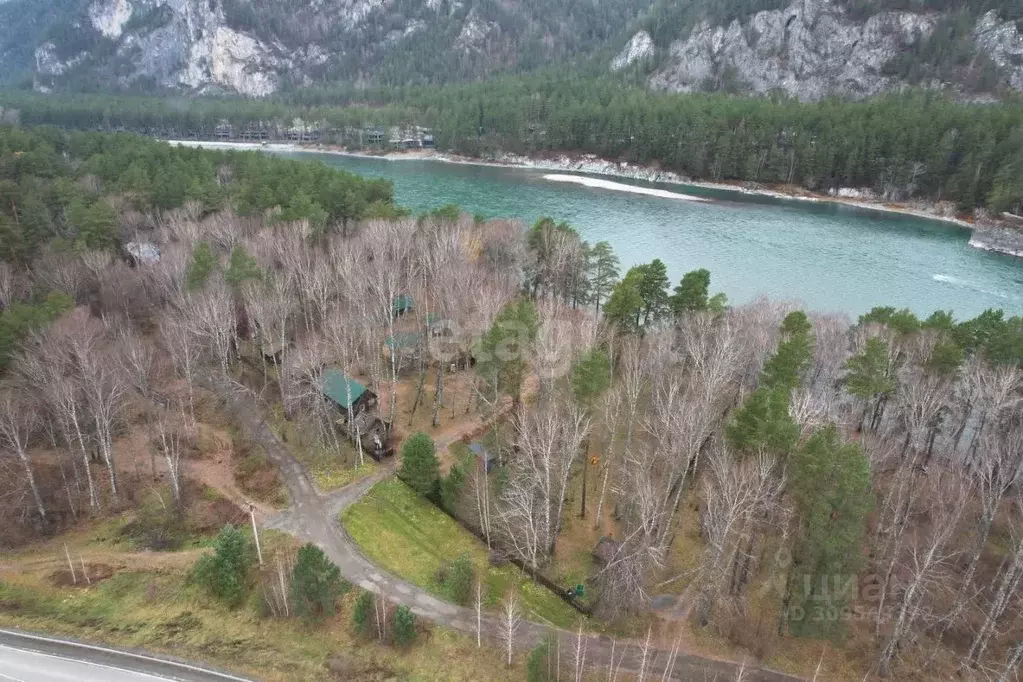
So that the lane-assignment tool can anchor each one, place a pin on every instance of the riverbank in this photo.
(987, 235)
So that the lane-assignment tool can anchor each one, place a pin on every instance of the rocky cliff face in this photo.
(812, 48)
(177, 44)
(255, 47)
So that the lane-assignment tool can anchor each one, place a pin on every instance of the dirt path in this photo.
(314, 518)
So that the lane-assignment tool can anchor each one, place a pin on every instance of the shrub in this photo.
(451, 485)
(404, 628)
(316, 584)
(419, 466)
(225, 572)
(363, 615)
(458, 580)
(538, 666)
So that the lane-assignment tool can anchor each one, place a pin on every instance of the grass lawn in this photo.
(410, 537)
(149, 602)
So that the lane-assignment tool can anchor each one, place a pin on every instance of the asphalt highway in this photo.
(33, 658)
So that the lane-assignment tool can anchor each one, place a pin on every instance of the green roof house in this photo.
(403, 341)
(346, 392)
(403, 303)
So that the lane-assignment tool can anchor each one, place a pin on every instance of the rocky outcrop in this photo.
(109, 18)
(812, 48)
(639, 49)
(1008, 240)
(253, 46)
(1002, 42)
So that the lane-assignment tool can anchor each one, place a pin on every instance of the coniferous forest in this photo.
(919, 145)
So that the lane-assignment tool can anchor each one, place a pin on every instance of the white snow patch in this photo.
(620, 187)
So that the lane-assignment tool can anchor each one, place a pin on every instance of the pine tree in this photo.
(691, 292)
(830, 485)
(604, 268)
(225, 572)
(202, 266)
(242, 267)
(316, 584)
(458, 580)
(624, 307)
(503, 352)
(653, 288)
(419, 466)
(363, 614)
(404, 627)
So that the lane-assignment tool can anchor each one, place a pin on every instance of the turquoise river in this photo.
(833, 258)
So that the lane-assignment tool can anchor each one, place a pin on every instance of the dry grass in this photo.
(149, 602)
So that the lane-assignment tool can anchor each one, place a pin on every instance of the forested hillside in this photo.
(901, 147)
(807, 49)
(257, 47)
(779, 477)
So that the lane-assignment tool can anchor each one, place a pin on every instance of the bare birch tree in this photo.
(18, 420)
(511, 619)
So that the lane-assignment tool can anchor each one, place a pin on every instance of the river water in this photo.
(833, 258)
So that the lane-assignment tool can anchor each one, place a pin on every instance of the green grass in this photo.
(410, 537)
(162, 610)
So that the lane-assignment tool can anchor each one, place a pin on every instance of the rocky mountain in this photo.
(812, 48)
(804, 48)
(255, 47)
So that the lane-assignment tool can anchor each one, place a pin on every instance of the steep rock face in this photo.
(109, 18)
(1001, 41)
(640, 48)
(254, 47)
(812, 48)
(807, 50)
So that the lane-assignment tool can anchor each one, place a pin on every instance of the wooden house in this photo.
(402, 304)
(344, 392)
(357, 407)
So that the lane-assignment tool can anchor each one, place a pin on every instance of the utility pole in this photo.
(255, 533)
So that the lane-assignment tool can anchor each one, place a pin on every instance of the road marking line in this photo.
(128, 654)
(84, 662)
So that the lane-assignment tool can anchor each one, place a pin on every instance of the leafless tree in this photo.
(270, 305)
(184, 348)
(1006, 585)
(996, 470)
(18, 420)
(733, 491)
(61, 272)
(169, 435)
(135, 357)
(924, 559)
(533, 499)
(511, 619)
(210, 317)
(101, 381)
